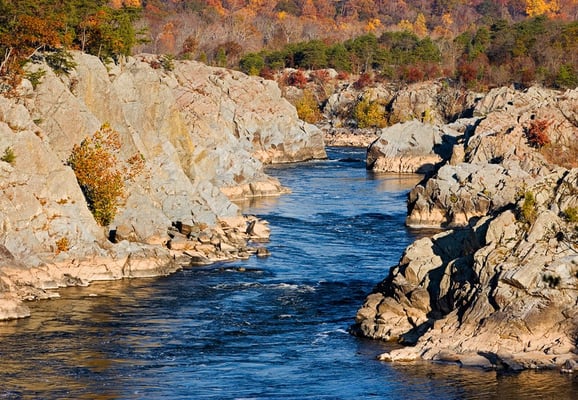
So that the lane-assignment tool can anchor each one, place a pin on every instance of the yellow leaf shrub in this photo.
(99, 173)
(369, 114)
(307, 108)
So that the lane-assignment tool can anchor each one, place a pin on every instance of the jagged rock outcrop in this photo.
(202, 132)
(434, 103)
(411, 147)
(499, 293)
(496, 160)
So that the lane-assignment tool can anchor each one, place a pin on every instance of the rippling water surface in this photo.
(277, 330)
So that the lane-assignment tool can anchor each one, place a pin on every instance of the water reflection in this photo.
(395, 182)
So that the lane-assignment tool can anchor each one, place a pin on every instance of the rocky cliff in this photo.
(203, 133)
(501, 291)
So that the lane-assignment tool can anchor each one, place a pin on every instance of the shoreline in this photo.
(235, 238)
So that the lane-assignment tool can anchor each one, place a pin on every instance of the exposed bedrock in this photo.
(203, 133)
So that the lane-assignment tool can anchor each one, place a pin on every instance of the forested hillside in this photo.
(478, 43)
(99, 27)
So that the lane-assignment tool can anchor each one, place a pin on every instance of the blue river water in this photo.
(265, 328)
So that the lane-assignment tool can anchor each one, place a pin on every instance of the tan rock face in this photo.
(491, 167)
(202, 132)
(501, 291)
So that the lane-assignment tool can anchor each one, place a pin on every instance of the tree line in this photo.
(539, 50)
(492, 43)
(220, 31)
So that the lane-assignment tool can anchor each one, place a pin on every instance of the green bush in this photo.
(168, 62)
(8, 155)
(528, 212)
(60, 61)
(35, 77)
(252, 64)
(566, 77)
(571, 214)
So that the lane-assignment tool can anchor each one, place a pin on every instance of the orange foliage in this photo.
(540, 7)
(167, 39)
(536, 133)
(29, 35)
(99, 175)
(126, 3)
(217, 6)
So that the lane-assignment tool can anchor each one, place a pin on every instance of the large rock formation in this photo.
(434, 103)
(203, 133)
(496, 160)
(501, 291)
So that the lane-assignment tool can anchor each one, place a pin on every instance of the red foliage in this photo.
(432, 71)
(297, 79)
(320, 76)
(364, 80)
(414, 74)
(536, 133)
(267, 73)
(467, 72)
(342, 76)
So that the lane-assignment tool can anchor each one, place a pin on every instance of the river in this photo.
(265, 328)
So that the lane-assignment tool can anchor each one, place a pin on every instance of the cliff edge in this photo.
(203, 134)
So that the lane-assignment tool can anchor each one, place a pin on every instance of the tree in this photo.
(338, 58)
(252, 63)
(363, 50)
(311, 55)
(420, 27)
(567, 77)
(541, 7)
(25, 35)
(95, 165)
(110, 33)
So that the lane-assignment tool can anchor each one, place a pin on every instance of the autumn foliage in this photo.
(536, 133)
(478, 44)
(100, 174)
(307, 108)
(369, 114)
(29, 28)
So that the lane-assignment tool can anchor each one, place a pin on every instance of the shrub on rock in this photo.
(99, 173)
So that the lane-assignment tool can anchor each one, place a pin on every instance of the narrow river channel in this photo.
(270, 328)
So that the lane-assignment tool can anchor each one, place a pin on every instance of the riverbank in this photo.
(258, 328)
(498, 289)
(185, 140)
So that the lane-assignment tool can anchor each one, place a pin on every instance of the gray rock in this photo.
(411, 147)
(501, 291)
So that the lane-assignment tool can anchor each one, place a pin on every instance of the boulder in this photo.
(412, 147)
